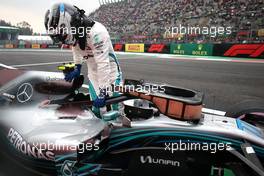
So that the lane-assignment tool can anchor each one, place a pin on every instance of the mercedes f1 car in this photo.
(158, 133)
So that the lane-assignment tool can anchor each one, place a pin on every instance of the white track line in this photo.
(157, 55)
(35, 50)
(207, 59)
(39, 64)
(194, 58)
(6, 66)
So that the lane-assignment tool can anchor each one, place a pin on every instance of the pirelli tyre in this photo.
(251, 111)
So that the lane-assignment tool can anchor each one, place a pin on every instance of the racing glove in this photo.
(100, 101)
(74, 74)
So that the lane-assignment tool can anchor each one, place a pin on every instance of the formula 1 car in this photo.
(161, 132)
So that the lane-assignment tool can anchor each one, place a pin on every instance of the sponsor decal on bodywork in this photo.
(249, 128)
(23, 146)
(67, 168)
(151, 160)
(25, 92)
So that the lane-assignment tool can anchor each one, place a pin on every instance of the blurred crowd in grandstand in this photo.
(146, 20)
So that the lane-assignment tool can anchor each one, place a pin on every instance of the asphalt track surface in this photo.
(224, 82)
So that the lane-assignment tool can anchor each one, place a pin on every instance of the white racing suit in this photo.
(103, 67)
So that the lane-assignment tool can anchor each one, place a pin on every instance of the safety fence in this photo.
(227, 50)
(33, 46)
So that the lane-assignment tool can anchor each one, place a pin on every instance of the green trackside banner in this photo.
(192, 49)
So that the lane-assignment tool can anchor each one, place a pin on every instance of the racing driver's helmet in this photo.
(62, 21)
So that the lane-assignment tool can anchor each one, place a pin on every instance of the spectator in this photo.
(136, 20)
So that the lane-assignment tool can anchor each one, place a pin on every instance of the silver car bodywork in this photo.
(27, 128)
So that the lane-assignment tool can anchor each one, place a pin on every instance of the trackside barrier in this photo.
(157, 48)
(239, 50)
(192, 49)
(224, 50)
(21, 46)
(136, 48)
(140, 48)
(66, 47)
(43, 46)
(35, 46)
(28, 46)
(53, 46)
(119, 47)
(9, 46)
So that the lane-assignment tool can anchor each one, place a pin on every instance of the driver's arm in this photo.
(100, 48)
(77, 55)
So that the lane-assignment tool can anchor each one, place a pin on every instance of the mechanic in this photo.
(91, 43)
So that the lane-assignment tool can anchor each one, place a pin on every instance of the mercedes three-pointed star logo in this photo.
(24, 93)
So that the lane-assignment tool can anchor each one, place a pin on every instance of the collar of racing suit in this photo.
(87, 23)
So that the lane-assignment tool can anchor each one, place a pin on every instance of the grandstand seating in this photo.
(145, 20)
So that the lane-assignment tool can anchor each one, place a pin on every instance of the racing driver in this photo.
(91, 43)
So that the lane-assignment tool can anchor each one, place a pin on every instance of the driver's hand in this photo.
(100, 101)
(74, 74)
